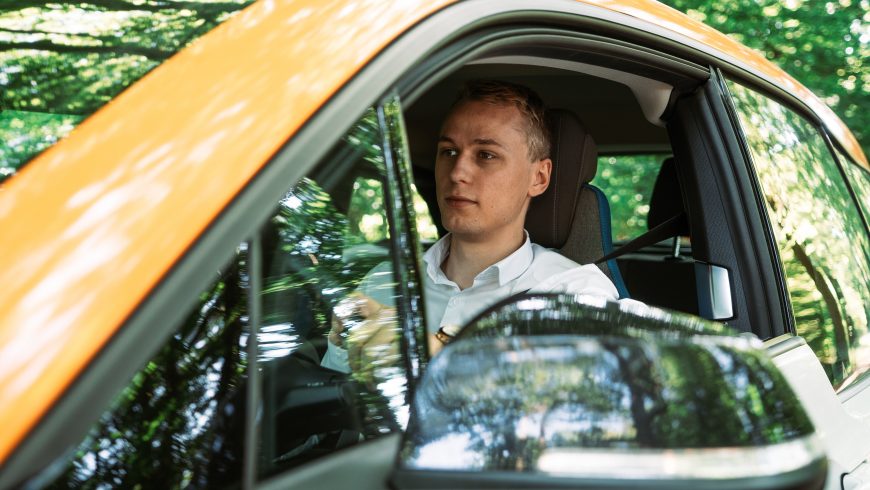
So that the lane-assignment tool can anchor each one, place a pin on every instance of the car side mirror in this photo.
(564, 391)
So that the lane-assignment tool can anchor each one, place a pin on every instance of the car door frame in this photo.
(847, 437)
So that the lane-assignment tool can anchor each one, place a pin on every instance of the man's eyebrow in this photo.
(487, 141)
(477, 141)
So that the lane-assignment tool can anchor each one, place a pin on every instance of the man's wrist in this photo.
(335, 339)
(443, 337)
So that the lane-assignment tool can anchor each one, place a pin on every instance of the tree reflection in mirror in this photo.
(557, 385)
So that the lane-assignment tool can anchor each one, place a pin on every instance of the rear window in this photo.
(61, 61)
(628, 181)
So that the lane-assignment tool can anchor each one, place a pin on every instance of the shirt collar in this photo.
(508, 268)
(434, 257)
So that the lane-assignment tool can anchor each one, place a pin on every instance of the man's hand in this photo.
(365, 327)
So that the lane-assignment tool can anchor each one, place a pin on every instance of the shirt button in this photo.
(451, 302)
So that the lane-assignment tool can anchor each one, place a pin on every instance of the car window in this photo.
(61, 61)
(860, 179)
(178, 423)
(627, 181)
(329, 346)
(426, 229)
(821, 239)
(331, 370)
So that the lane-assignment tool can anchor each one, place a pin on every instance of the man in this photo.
(493, 157)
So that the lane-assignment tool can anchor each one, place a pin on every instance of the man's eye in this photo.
(485, 155)
(447, 152)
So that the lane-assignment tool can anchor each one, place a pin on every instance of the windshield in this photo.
(61, 61)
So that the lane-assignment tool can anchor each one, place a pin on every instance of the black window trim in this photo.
(722, 220)
(762, 227)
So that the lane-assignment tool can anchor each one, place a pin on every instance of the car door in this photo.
(811, 197)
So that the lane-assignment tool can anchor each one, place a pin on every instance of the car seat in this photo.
(573, 216)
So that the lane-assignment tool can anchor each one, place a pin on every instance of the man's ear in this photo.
(540, 177)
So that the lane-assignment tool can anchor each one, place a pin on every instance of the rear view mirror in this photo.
(549, 391)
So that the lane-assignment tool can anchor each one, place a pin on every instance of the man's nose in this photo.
(462, 169)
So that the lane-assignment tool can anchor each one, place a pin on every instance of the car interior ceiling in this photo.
(622, 113)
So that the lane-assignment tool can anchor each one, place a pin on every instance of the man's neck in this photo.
(468, 258)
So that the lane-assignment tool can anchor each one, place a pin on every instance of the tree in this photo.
(60, 62)
(825, 45)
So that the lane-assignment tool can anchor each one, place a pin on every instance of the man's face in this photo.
(483, 173)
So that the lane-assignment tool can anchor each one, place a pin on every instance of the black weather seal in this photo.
(253, 393)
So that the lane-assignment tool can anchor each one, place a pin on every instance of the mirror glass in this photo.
(562, 385)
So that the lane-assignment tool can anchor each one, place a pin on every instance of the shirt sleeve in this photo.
(335, 358)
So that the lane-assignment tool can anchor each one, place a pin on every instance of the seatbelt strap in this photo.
(668, 229)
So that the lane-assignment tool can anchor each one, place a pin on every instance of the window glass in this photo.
(821, 238)
(627, 181)
(333, 373)
(860, 180)
(61, 61)
(426, 229)
(179, 422)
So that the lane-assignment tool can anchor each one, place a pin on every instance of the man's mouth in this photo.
(459, 201)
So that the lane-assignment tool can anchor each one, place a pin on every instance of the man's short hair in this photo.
(530, 105)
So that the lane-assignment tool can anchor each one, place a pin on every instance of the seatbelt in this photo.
(668, 229)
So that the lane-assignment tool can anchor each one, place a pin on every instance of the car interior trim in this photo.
(696, 138)
(652, 95)
(552, 47)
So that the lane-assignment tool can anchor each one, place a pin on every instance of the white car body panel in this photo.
(846, 437)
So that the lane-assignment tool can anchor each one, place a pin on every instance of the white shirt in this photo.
(530, 268)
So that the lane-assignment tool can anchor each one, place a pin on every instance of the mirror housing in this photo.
(553, 390)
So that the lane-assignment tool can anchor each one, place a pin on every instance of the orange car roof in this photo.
(93, 224)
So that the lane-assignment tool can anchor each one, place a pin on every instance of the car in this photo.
(185, 219)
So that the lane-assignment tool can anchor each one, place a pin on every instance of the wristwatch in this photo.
(443, 337)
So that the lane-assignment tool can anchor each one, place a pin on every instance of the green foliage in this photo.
(824, 44)
(819, 232)
(27, 133)
(627, 181)
(60, 62)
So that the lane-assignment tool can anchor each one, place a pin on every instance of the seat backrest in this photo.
(573, 216)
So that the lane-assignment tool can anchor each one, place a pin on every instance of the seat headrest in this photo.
(574, 157)
(666, 200)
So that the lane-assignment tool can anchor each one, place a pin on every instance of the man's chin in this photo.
(467, 234)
